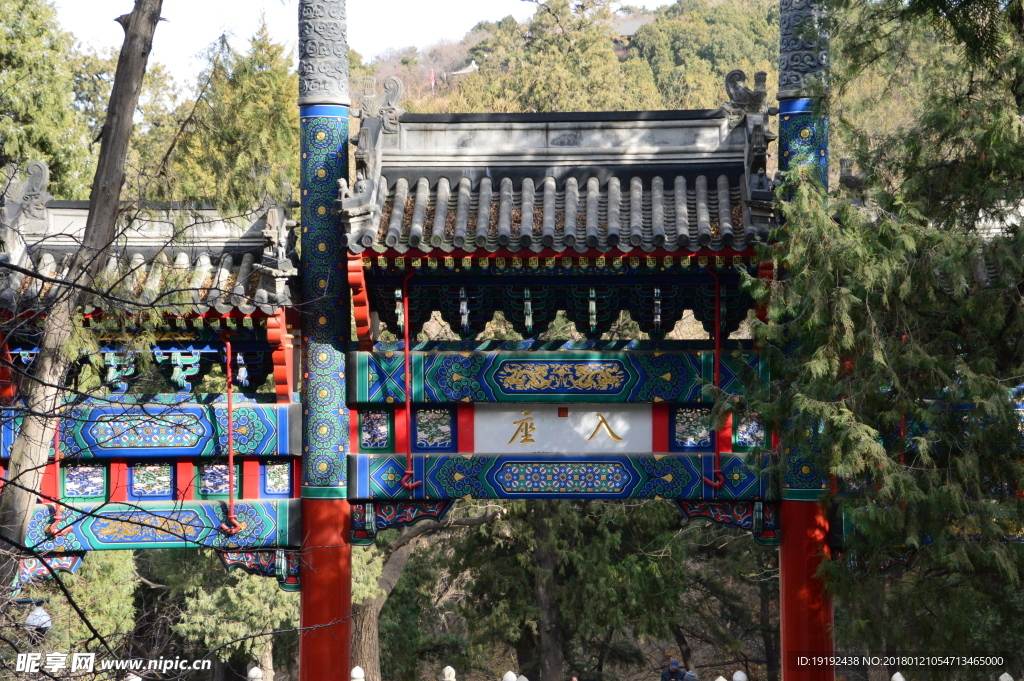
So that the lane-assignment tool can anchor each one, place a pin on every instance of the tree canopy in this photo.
(37, 118)
(895, 331)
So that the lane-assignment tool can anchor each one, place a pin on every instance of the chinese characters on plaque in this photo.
(576, 429)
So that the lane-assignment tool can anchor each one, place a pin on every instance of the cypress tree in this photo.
(37, 118)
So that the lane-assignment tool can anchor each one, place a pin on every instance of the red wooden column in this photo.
(326, 605)
(805, 609)
(326, 569)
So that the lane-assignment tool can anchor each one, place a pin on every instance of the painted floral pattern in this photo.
(692, 429)
(750, 432)
(85, 481)
(150, 480)
(277, 478)
(213, 479)
(374, 429)
(434, 428)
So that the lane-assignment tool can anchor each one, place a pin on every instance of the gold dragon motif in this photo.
(183, 525)
(599, 377)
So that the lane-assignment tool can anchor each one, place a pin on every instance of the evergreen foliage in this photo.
(240, 140)
(693, 44)
(228, 612)
(627, 581)
(561, 60)
(895, 332)
(37, 118)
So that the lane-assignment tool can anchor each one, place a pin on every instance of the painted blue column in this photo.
(803, 136)
(805, 608)
(325, 610)
(325, 324)
(324, 117)
(803, 64)
(803, 141)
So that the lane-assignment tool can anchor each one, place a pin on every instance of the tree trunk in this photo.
(605, 647)
(549, 635)
(266, 660)
(526, 653)
(31, 448)
(685, 653)
(769, 630)
(366, 615)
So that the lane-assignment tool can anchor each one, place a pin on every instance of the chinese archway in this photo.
(407, 216)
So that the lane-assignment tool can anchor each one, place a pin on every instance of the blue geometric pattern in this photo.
(324, 138)
(803, 137)
(740, 480)
(165, 524)
(573, 476)
(737, 369)
(385, 378)
(590, 478)
(180, 429)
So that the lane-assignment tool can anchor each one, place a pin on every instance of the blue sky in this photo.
(374, 25)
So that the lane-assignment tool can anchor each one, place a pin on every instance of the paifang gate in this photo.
(460, 215)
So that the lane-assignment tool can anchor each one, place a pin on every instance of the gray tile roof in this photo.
(182, 260)
(619, 215)
(603, 182)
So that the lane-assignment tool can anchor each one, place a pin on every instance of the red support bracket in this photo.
(360, 301)
(282, 343)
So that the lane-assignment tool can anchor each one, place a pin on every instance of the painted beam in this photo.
(368, 518)
(164, 525)
(147, 431)
(559, 476)
(759, 518)
(562, 345)
(553, 377)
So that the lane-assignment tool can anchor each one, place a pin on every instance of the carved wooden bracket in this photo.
(360, 301)
(283, 354)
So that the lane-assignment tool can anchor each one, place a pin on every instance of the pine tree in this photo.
(561, 60)
(240, 141)
(37, 118)
(895, 332)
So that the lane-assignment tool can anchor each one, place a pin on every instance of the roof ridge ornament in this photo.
(385, 106)
(743, 100)
(29, 196)
(751, 107)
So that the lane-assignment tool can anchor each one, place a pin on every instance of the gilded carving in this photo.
(524, 433)
(602, 423)
(135, 527)
(576, 377)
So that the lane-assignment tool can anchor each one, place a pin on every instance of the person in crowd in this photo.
(675, 672)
